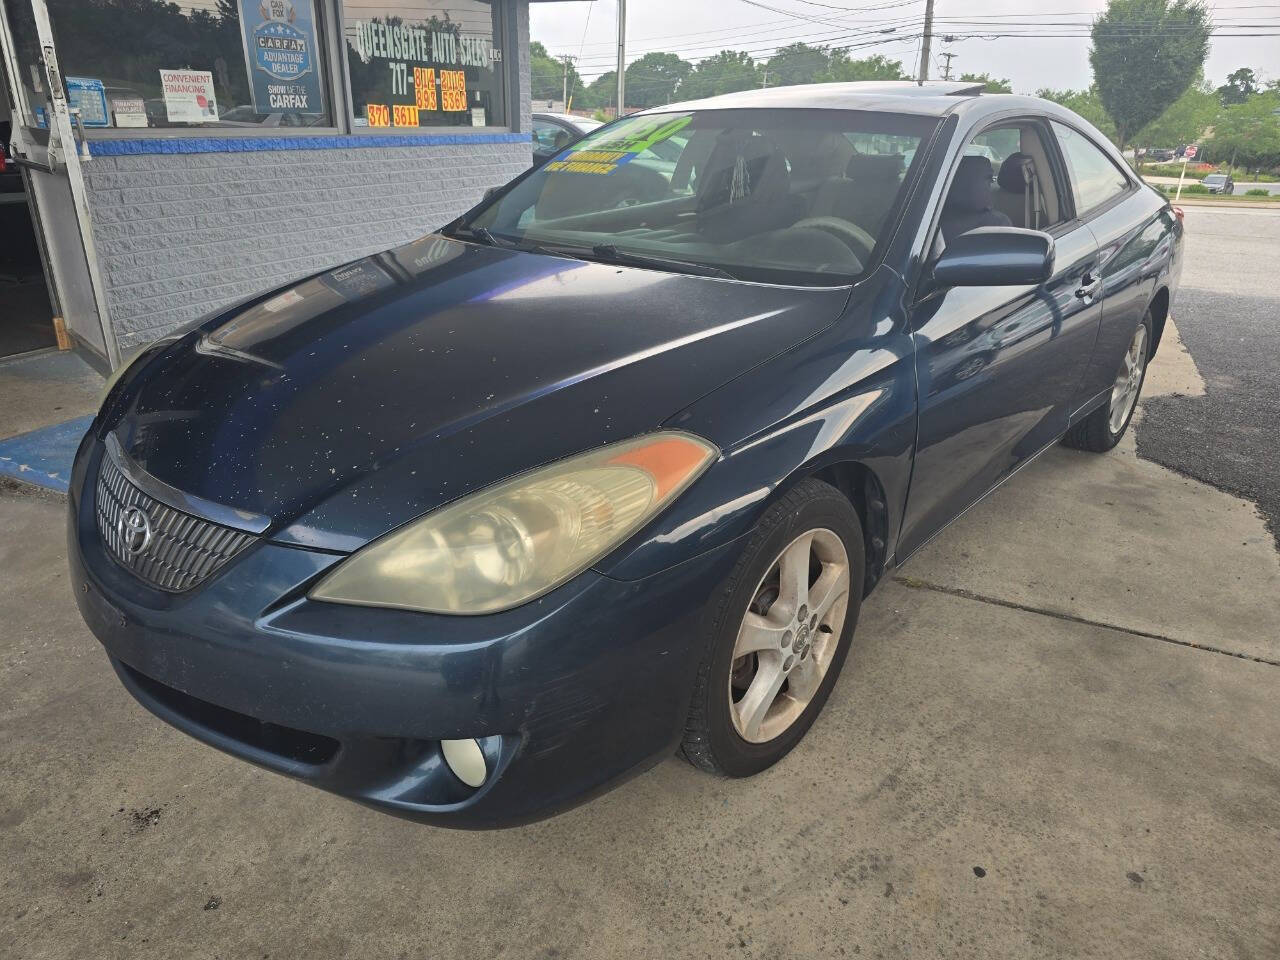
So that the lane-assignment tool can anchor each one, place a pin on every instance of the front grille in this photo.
(181, 550)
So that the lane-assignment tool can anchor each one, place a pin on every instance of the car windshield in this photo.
(772, 196)
(1216, 178)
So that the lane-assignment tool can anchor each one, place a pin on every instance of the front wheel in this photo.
(780, 634)
(1102, 429)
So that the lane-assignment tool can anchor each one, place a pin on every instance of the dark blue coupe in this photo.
(473, 528)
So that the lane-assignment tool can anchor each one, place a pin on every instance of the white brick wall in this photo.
(179, 235)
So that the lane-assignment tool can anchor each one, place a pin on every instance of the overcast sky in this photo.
(697, 28)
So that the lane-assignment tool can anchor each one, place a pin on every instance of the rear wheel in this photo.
(781, 632)
(1102, 429)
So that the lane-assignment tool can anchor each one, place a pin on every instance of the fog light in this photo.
(466, 760)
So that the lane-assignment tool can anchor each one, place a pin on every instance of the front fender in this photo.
(848, 395)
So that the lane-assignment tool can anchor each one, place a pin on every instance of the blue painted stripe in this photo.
(170, 145)
(43, 457)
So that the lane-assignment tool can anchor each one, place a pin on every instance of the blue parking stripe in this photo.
(43, 457)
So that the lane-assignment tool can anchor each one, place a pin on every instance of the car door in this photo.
(997, 369)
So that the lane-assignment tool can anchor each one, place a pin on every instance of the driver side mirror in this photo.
(995, 257)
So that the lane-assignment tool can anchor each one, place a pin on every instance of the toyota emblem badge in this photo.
(134, 528)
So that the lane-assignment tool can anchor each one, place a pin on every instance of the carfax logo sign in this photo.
(280, 53)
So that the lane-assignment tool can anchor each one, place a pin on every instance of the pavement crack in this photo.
(916, 584)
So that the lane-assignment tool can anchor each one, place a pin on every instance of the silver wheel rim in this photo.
(789, 635)
(1124, 392)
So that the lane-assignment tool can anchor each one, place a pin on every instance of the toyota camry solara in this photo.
(477, 526)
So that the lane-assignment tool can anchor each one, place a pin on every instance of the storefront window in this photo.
(425, 63)
(198, 64)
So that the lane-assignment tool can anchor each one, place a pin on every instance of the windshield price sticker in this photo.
(604, 155)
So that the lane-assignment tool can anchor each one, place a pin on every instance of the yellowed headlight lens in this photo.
(504, 546)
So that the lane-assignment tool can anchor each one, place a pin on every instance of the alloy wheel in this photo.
(789, 635)
(1124, 392)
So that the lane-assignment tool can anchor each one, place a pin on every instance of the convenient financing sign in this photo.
(280, 52)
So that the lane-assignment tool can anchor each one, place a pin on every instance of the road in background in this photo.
(1241, 186)
(1228, 313)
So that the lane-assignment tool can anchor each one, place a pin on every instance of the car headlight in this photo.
(515, 541)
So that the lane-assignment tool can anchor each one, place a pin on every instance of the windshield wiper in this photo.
(490, 239)
(608, 253)
(478, 234)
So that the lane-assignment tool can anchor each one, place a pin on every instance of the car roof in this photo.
(932, 98)
(566, 118)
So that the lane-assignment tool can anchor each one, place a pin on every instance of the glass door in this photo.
(47, 147)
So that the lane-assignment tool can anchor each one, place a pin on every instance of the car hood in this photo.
(348, 403)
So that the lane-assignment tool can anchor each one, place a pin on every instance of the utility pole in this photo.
(622, 55)
(946, 71)
(925, 42)
(564, 86)
(765, 83)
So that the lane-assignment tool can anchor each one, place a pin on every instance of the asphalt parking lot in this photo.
(1055, 736)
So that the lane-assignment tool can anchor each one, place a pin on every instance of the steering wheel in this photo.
(854, 237)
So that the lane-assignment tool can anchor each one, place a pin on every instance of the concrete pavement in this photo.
(996, 775)
(1055, 737)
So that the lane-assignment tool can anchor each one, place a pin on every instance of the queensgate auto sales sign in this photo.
(280, 54)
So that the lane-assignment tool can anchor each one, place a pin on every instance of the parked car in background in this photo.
(474, 528)
(1220, 183)
(552, 132)
(1159, 155)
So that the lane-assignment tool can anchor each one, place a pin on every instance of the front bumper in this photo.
(566, 695)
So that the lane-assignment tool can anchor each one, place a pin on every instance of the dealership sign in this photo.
(280, 54)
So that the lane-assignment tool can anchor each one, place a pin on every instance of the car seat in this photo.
(864, 195)
(746, 188)
(968, 204)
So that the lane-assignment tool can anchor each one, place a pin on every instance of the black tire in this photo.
(711, 743)
(1094, 432)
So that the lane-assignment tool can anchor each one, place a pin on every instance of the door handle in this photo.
(1089, 286)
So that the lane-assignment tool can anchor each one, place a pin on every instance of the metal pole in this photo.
(926, 41)
(564, 86)
(622, 56)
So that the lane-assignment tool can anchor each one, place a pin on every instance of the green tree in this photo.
(1184, 122)
(727, 71)
(1240, 86)
(1145, 54)
(654, 78)
(989, 83)
(601, 92)
(841, 68)
(1087, 103)
(1248, 133)
(546, 74)
(795, 63)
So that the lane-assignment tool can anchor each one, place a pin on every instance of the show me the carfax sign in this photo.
(281, 51)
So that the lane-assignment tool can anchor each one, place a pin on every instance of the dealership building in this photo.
(168, 159)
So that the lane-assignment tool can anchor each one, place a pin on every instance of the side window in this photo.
(548, 137)
(996, 145)
(1094, 177)
(1022, 186)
